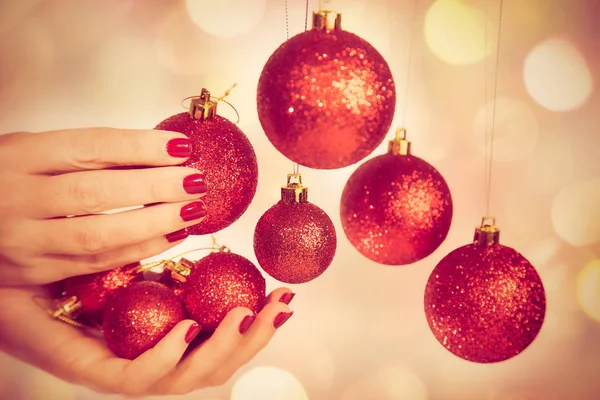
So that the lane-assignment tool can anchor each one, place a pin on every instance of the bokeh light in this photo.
(516, 129)
(231, 17)
(588, 289)
(557, 76)
(268, 383)
(575, 212)
(392, 383)
(456, 32)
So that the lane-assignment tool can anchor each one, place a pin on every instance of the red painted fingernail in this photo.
(193, 211)
(281, 318)
(287, 297)
(177, 235)
(246, 322)
(194, 184)
(192, 332)
(179, 147)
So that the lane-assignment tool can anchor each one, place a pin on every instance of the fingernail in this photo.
(179, 147)
(177, 235)
(246, 322)
(194, 184)
(193, 211)
(192, 332)
(287, 297)
(281, 318)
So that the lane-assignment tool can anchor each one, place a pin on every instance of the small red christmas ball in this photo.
(219, 283)
(485, 303)
(294, 242)
(326, 98)
(94, 290)
(396, 208)
(139, 316)
(225, 156)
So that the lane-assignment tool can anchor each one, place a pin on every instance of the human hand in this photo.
(50, 175)
(27, 332)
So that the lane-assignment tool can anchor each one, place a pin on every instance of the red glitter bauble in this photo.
(396, 209)
(139, 316)
(294, 243)
(485, 303)
(225, 156)
(326, 98)
(219, 283)
(94, 290)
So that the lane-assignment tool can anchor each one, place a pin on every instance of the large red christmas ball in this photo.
(326, 98)
(396, 209)
(225, 156)
(485, 303)
(94, 290)
(294, 243)
(219, 283)
(139, 316)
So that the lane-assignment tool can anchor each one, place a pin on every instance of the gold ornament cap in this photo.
(294, 192)
(67, 307)
(327, 20)
(399, 146)
(487, 234)
(202, 107)
(180, 270)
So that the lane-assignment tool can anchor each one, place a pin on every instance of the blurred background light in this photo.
(588, 289)
(557, 76)
(391, 383)
(231, 18)
(455, 32)
(516, 130)
(576, 214)
(268, 383)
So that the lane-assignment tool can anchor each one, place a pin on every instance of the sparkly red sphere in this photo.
(139, 316)
(326, 99)
(219, 283)
(485, 304)
(94, 290)
(294, 243)
(396, 209)
(225, 156)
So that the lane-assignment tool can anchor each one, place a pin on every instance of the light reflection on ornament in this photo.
(227, 19)
(588, 289)
(557, 76)
(267, 382)
(516, 129)
(575, 212)
(455, 32)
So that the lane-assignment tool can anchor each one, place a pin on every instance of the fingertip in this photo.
(277, 294)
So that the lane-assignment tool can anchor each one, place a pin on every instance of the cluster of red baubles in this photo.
(325, 100)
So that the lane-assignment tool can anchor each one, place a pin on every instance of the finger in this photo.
(143, 372)
(59, 267)
(272, 316)
(194, 370)
(89, 192)
(282, 294)
(92, 148)
(95, 234)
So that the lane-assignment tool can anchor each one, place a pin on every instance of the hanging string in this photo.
(486, 130)
(491, 159)
(409, 68)
(296, 166)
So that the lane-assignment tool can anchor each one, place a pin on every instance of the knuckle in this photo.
(87, 149)
(89, 195)
(91, 240)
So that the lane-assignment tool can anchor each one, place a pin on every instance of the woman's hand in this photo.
(27, 332)
(48, 176)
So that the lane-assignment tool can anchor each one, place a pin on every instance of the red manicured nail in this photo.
(177, 235)
(179, 147)
(192, 332)
(281, 318)
(193, 211)
(246, 322)
(194, 184)
(287, 297)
